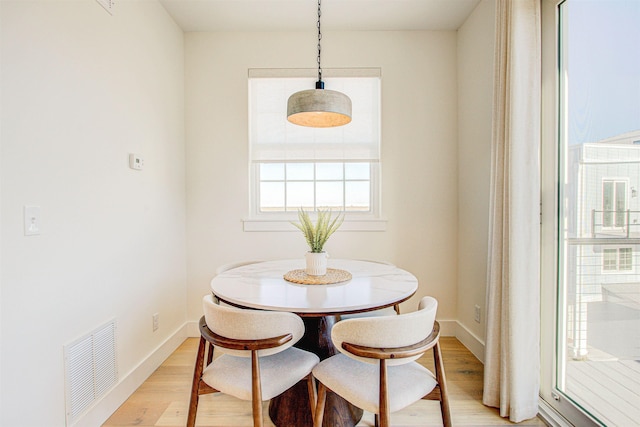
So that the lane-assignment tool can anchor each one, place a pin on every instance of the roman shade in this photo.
(273, 138)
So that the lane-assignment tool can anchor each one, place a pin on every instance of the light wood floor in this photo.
(163, 399)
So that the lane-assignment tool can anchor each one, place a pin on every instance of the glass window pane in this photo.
(621, 195)
(621, 203)
(271, 196)
(598, 308)
(329, 195)
(299, 195)
(357, 196)
(626, 256)
(299, 171)
(329, 171)
(607, 203)
(271, 171)
(357, 171)
(607, 195)
(609, 259)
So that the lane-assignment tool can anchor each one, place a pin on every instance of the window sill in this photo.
(285, 225)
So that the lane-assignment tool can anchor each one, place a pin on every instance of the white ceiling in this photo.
(300, 15)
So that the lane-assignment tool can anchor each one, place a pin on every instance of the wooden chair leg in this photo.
(376, 420)
(210, 354)
(396, 307)
(442, 382)
(256, 390)
(322, 398)
(313, 399)
(195, 386)
(383, 405)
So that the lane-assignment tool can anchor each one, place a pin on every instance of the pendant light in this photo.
(318, 107)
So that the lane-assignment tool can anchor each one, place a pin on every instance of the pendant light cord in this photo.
(319, 39)
(319, 108)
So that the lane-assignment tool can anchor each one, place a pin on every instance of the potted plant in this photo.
(316, 236)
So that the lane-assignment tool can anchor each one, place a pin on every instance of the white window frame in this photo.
(256, 220)
(554, 408)
(614, 213)
(617, 270)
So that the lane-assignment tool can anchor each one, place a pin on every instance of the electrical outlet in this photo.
(156, 321)
(476, 313)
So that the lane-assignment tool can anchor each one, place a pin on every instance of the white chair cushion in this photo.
(359, 383)
(279, 372)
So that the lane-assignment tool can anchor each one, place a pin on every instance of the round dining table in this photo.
(366, 286)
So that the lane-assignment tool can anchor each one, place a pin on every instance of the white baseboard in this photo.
(470, 340)
(100, 411)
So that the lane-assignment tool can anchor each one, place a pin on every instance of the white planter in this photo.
(316, 263)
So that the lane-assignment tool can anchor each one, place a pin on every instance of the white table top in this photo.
(262, 286)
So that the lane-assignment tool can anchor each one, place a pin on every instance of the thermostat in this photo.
(136, 162)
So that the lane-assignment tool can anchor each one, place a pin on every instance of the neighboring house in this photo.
(602, 233)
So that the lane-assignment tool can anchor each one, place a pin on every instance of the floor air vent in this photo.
(90, 369)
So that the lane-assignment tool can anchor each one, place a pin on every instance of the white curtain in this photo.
(512, 359)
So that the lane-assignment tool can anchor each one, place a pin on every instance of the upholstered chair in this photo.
(257, 359)
(376, 369)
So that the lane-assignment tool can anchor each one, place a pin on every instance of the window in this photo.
(617, 259)
(614, 203)
(285, 187)
(591, 165)
(313, 168)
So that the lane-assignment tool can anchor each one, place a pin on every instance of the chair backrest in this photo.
(387, 331)
(245, 324)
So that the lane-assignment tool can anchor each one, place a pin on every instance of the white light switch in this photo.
(31, 220)
(136, 162)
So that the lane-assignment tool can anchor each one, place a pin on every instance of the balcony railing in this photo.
(620, 223)
(601, 335)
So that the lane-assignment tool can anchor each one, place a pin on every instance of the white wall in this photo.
(419, 152)
(80, 90)
(475, 91)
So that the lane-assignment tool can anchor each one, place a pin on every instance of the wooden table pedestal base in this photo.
(291, 408)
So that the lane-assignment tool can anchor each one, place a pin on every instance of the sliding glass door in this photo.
(596, 271)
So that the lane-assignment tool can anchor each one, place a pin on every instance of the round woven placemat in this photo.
(333, 276)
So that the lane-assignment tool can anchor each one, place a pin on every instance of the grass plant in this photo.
(317, 234)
